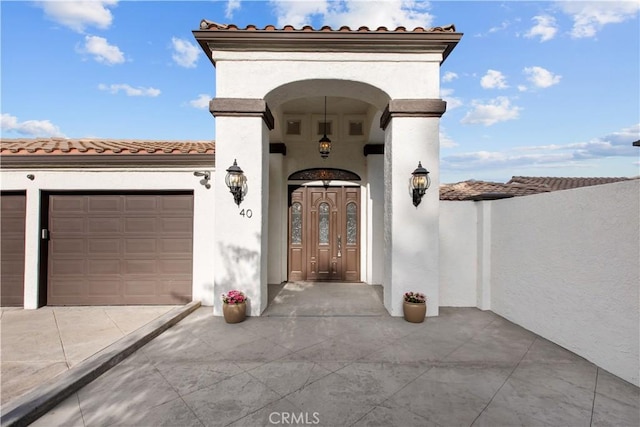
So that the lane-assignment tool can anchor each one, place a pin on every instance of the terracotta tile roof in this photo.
(214, 26)
(557, 183)
(473, 190)
(516, 186)
(61, 146)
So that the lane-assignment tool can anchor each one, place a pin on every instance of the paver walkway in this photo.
(465, 367)
(37, 345)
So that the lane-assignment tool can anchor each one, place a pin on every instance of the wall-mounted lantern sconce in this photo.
(237, 182)
(206, 176)
(419, 183)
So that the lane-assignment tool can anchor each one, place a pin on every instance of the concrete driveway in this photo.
(465, 367)
(38, 345)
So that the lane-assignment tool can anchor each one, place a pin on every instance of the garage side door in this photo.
(117, 249)
(12, 217)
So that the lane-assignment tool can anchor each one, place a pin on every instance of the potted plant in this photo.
(234, 306)
(414, 307)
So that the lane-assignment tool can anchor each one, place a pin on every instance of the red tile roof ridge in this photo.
(206, 24)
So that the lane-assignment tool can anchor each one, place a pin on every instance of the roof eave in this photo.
(327, 41)
(173, 160)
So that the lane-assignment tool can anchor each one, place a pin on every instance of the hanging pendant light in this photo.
(324, 145)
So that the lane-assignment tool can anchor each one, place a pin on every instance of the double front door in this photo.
(324, 234)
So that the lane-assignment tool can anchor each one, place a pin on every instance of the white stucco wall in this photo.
(375, 220)
(566, 265)
(458, 253)
(116, 179)
(375, 69)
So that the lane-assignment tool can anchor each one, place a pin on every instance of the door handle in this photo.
(339, 246)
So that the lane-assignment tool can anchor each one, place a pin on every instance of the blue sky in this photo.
(534, 88)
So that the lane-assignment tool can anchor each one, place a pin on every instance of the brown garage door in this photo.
(117, 249)
(12, 216)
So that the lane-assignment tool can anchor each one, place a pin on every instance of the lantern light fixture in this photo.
(237, 182)
(420, 181)
(324, 145)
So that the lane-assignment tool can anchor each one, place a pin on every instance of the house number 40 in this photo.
(246, 213)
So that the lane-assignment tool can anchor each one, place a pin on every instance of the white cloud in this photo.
(101, 50)
(201, 102)
(591, 17)
(130, 90)
(354, 13)
(445, 140)
(495, 111)
(185, 53)
(494, 80)
(541, 77)
(78, 15)
(522, 88)
(616, 144)
(232, 6)
(545, 28)
(30, 128)
(452, 102)
(297, 13)
(449, 76)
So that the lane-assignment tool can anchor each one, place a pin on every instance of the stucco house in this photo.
(328, 137)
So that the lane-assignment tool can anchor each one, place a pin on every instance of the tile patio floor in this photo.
(465, 367)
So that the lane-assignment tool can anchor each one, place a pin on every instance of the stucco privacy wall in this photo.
(566, 265)
(156, 179)
(458, 253)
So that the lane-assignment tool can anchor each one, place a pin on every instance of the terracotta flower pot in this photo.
(414, 312)
(234, 313)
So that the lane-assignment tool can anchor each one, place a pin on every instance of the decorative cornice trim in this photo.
(442, 42)
(109, 161)
(278, 148)
(373, 149)
(412, 108)
(242, 107)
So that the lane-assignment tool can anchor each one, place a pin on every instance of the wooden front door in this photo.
(324, 234)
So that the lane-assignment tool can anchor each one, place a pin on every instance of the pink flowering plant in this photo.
(234, 297)
(415, 297)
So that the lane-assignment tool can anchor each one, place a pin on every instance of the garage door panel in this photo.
(141, 266)
(140, 246)
(67, 225)
(176, 225)
(104, 204)
(103, 225)
(103, 266)
(176, 246)
(12, 225)
(176, 266)
(104, 247)
(13, 267)
(178, 204)
(142, 204)
(138, 250)
(63, 204)
(69, 267)
(140, 225)
(105, 288)
(69, 246)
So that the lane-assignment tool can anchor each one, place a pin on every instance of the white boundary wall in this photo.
(458, 253)
(566, 265)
